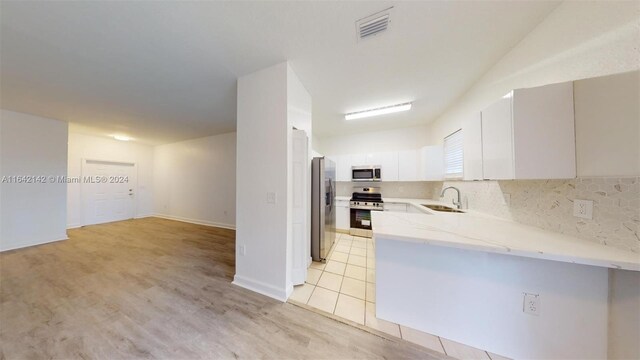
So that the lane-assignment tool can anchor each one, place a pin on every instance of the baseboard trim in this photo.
(197, 222)
(262, 288)
(143, 216)
(22, 246)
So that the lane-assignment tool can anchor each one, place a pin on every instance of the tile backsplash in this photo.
(394, 189)
(547, 204)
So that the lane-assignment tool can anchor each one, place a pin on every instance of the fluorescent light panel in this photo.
(378, 111)
(121, 137)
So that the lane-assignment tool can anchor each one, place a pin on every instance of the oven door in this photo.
(362, 174)
(361, 219)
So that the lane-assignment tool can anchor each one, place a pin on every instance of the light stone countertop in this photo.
(481, 232)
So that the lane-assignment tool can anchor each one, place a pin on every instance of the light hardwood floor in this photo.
(155, 288)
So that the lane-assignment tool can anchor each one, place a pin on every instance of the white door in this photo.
(301, 233)
(108, 191)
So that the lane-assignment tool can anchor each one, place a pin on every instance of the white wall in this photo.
(98, 148)
(270, 103)
(410, 138)
(195, 180)
(577, 40)
(476, 298)
(299, 117)
(33, 213)
(262, 168)
(316, 146)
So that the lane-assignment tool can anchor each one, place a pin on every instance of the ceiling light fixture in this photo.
(122, 137)
(378, 111)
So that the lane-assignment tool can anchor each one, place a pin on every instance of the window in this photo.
(453, 156)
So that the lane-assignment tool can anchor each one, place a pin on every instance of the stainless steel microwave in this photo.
(366, 173)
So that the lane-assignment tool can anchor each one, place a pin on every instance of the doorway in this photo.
(108, 191)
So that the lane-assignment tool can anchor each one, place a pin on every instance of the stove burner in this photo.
(368, 198)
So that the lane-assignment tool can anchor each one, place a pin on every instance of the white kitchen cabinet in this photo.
(530, 134)
(398, 207)
(432, 161)
(342, 215)
(343, 167)
(497, 141)
(388, 162)
(408, 165)
(472, 147)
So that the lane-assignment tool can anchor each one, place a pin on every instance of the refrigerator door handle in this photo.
(329, 199)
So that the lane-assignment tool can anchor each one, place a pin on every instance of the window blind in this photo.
(453, 156)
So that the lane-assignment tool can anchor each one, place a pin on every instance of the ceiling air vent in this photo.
(374, 24)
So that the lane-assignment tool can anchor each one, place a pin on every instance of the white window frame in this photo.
(454, 155)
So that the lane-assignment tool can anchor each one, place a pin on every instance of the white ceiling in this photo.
(165, 72)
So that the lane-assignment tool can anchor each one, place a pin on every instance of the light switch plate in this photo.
(271, 198)
(583, 208)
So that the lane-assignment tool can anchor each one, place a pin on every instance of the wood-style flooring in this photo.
(155, 288)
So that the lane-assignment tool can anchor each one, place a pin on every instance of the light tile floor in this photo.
(345, 286)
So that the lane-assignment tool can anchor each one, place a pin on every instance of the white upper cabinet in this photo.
(530, 134)
(388, 162)
(432, 163)
(343, 167)
(497, 141)
(472, 145)
(544, 132)
(408, 165)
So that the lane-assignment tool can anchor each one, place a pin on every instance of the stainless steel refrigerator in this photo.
(323, 209)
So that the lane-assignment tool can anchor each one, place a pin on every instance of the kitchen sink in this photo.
(443, 208)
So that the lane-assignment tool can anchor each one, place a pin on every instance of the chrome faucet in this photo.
(458, 203)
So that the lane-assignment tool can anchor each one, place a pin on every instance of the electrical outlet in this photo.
(271, 198)
(583, 209)
(243, 250)
(531, 304)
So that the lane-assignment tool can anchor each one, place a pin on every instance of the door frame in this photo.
(83, 169)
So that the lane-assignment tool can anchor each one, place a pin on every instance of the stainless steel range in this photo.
(363, 201)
